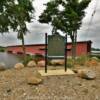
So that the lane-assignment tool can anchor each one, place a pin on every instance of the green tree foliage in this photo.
(96, 49)
(69, 18)
(14, 14)
(65, 15)
(2, 49)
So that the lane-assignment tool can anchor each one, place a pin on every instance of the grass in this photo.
(35, 57)
(81, 60)
(70, 63)
(78, 61)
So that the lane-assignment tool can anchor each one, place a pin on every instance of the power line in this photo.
(91, 19)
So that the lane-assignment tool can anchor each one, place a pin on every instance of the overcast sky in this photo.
(88, 31)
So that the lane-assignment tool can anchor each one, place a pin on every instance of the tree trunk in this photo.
(23, 47)
(75, 43)
(73, 50)
(74, 40)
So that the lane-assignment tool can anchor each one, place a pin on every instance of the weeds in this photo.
(70, 63)
(81, 60)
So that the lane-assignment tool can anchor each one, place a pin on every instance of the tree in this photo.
(2, 49)
(66, 16)
(14, 14)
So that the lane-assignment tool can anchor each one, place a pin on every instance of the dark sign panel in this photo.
(56, 45)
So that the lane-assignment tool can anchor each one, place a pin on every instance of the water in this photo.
(96, 52)
(9, 59)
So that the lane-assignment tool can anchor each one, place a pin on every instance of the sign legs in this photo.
(45, 52)
(65, 53)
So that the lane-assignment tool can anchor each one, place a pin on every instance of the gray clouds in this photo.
(8, 39)
(37, 31)
(91, 30)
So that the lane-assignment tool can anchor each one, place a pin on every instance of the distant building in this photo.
(82, 48)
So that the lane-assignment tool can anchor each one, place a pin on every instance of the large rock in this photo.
(19, 66)
(86, 74)
(57, 62)
(36, 74)
(2, 66)
(41, 63)
(34, 78)
(31, 64)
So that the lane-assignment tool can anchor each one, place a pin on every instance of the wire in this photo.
(91, 19)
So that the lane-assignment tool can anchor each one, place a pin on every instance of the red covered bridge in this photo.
(82, 48)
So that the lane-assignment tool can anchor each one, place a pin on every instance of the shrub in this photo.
(2, 50)
(97, 56)
(81, 60)
(70, 63)
(38, 57)
(27, 59)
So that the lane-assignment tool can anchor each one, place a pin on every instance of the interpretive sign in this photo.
(55, 47)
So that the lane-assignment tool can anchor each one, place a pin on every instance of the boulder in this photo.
(36, 74)
(87, 74)
(19, 66)
(31, 64)
(2, 66)
(57, 62)
(41, 63)
(34, 78)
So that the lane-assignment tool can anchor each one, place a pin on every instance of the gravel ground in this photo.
(13, 86)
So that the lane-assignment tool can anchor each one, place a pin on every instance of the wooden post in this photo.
(45, 52)
(65, 53)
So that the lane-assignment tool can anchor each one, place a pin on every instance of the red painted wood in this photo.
(83, 48)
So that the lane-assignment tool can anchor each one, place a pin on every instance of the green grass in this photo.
(70, 63)
(27, 59)
(81, 60)
(78, 61)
